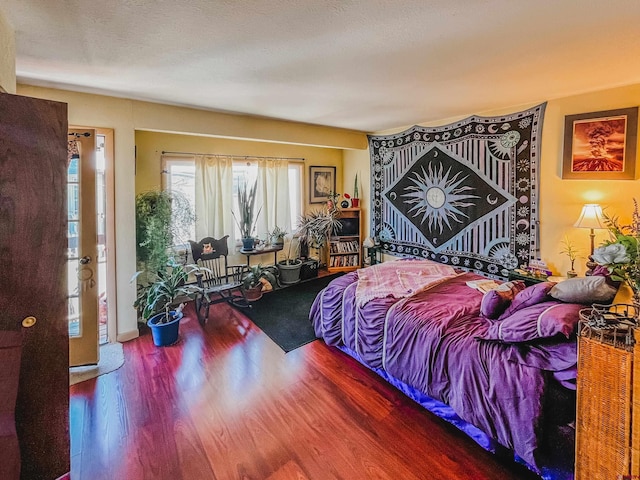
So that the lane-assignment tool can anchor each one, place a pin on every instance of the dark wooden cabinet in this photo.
(33, 218)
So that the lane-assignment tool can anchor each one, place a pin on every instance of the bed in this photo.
(499, 365)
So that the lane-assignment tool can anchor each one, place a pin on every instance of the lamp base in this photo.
(591, 265)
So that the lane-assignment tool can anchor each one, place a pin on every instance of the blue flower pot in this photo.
(247, 244)
(164, 334)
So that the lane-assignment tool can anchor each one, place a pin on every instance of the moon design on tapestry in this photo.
(466, 202)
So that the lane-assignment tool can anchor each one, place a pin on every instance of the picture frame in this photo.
(601, 145)
(322, 181)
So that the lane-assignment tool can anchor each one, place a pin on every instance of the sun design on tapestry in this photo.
(437, 197)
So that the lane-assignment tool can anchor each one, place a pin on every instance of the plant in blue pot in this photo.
(161, 299)
(247, 217)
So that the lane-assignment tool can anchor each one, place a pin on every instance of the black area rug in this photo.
(284, 314)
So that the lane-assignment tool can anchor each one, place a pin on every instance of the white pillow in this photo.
(584, 290)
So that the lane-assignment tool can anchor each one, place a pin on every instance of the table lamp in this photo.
(591, 217)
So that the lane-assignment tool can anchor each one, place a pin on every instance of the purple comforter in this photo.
(428, 341)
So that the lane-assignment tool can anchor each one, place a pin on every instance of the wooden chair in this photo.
(219, 281)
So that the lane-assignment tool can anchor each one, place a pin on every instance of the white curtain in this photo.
(214, 197)
(273, 195)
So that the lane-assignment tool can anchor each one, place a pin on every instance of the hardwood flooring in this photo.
(227, 403)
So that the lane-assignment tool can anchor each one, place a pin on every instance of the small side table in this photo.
(251, 253)
(374, 254)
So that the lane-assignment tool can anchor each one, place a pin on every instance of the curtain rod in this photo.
(243, 157)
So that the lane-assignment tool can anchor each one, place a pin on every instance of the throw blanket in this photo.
(399, 279)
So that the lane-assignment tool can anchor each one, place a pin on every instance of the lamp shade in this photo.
(591, 217)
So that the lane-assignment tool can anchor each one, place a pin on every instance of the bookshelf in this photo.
(345, 247)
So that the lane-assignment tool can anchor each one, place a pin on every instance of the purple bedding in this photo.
(437, 342)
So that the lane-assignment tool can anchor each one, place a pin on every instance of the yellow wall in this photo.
(128, 116)
(560, 200)
(149, 147)
(7, 57)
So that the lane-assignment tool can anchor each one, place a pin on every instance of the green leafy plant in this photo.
(292, 251)
(161, 218)
(356, 193)
(165, 290)
(246, 208)
(569, 250)
(254, 276)
(621, 254)
(316, 226)
(277, 235)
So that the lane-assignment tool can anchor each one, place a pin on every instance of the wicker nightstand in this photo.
(608, 400)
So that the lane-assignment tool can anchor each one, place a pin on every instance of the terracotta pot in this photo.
(355, 202)
(253, 293)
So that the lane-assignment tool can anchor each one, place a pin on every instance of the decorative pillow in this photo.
(542, 320)
(496, 301)
(587, 290)
(529, 296)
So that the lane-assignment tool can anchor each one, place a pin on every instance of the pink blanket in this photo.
(399, 279)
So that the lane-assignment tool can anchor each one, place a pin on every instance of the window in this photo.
(180, 177)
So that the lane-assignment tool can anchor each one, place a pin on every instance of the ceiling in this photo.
(366, 65)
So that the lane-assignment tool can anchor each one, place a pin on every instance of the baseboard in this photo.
(126, 336)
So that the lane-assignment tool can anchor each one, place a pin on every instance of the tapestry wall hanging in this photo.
(463, 194)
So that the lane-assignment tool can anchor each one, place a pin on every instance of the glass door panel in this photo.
(82, 250)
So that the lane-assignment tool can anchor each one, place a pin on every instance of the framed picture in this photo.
(601, 145)
(322, 181)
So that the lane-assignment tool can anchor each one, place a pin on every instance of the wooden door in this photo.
(33, 158)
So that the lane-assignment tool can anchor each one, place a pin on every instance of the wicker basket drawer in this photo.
(603, 425)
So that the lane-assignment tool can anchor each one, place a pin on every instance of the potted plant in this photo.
(289, 268)
(161, 299)
(161, 218)
(246, 209)
(569, 249)
(259, 279)
(355, 201)
(276, 236)
(315, 227)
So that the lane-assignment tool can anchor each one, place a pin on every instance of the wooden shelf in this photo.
(344, 252)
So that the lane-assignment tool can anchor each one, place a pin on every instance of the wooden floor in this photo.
(227, 403)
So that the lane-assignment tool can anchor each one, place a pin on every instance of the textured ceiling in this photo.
(367, 65)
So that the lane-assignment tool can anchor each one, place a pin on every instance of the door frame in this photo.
(109, 232)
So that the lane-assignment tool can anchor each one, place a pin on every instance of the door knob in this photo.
(29, 322)
(85, 260)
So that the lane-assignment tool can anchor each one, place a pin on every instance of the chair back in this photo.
(211, 254)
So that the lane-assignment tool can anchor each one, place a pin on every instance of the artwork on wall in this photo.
(463, 194)
(601, 145)
(322, 182)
